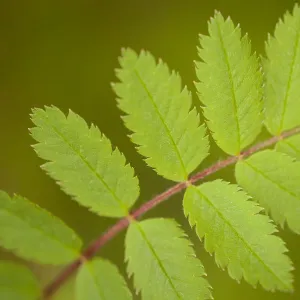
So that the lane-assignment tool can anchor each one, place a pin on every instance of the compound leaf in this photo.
(159, 113)
(100, 280)
(282, 73)
(273, 179)
(240, 237)
(230, 85)
(17, 282)
(163, 262)
(290, 146)
(34, 234)
(81, 159)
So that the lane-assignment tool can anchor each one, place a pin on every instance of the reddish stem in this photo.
(123, 223)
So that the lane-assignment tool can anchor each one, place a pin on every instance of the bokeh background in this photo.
(64, 53)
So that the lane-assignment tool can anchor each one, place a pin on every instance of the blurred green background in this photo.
(64, 53)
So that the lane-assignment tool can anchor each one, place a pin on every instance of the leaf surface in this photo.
(159, 113)
(163, 262)
(100, 280)
(34, 234)
(241, 238)
(230, 85)
(82, 161)
(282, 74)
(290, 146)
(273, 179)
(17, 282)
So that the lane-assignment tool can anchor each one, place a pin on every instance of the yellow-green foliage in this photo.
(170, 135)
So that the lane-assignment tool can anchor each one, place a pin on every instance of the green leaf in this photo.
(273, 179)
(100, 280)
(240, 237)
(159, 113)
(34, 234)
(282, 73)
(17, 282)
(290, 146)
(83, 162)
(163, 262)
(230, 85)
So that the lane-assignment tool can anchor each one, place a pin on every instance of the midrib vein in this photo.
(272, 181)
(158, 260)
(51, 237)
(90, 167)
(94, 278)
(289, 83)
(162, 121)
(240, 237)
(233, 95)
(292, 146)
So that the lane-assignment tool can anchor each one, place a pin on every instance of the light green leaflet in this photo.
(273, 179)
(163, 262)
(159, 113)
(282, 73)
(240, 237)
(230, 85)
(100, 280)
(34, 234)
(290, 146)
(17, 282)
(83, 162)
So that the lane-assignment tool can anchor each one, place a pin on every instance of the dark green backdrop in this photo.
(64, 53)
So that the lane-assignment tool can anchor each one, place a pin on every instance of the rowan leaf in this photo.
(282, 74)
(82, 161)
(99, 279)
(290, 146)
(272, 178)
(230, 85)
(163, 262)
(34, 234)
(17, 282)
(241, 238)
(159, 113)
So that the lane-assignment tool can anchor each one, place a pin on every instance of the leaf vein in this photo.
(289, 83)
(272, 181)
(292, 146)
(162, 121)
(229, 72)
(158, 260)
(41, 231)
(98, 176)
(241, 238)
(91, 270)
